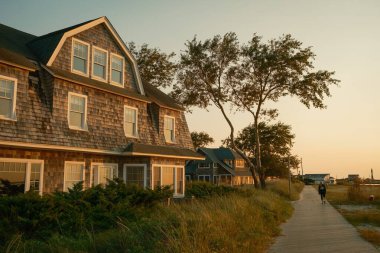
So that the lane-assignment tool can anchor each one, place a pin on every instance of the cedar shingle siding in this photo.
(41, 130)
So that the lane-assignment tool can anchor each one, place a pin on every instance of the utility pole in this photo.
(290, 174)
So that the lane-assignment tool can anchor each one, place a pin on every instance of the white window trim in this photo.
(204, 178)
(28, 171)
(175, 177)
(72, 57)
(64, 173)
(215, 165)
(13, 117)
(240, 166)
(122, 70)
(137, 122)
(174, 132)
(126, 165)
(188, 178)
(85, 126)
(93, 76)
(201, 167)
(104, 164)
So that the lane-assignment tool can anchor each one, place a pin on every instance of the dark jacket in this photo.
(322, 189)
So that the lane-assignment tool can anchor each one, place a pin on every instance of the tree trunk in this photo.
(258, 155)
(241, 153)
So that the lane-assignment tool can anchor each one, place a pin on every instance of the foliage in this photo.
(371, 235)
(75, 212)
(155, 67)
(205, 189)
(274, 143)
(243, 220)
(201, 139)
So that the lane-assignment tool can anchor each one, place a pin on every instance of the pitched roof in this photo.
(134, 148)
(14, 59)
(218, 155)
(15, 41)
(44, 46)
(161, 98)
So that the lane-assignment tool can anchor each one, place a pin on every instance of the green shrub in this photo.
(204, 189)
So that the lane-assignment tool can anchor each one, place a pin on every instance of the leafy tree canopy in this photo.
(201, 139)
(156, 67)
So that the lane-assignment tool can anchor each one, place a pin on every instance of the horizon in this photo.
(342, 139)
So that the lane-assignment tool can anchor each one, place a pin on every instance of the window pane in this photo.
(15, 173)
(116, 76)
(80, 50)
(130, 121)
(77, 103)
(6, 107)
(73, 174)
(6, 88)
(100, 71)
(156, 177)
(135, 175)
(100, 57)
(80, 65)
(117, 64)
(168, 176)
(179, 188)
(35, 177)
(76, 119)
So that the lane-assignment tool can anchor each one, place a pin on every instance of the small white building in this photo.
(318, 178)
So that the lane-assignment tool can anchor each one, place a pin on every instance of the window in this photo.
(215, 165)
(188, 178)
(130, 121)
(22, 174)
(240, 163)
(99, 64)
(228, 162)
(77, 111)
(169, 126)
(204, 178)
(80, 54)
(223, 179)
(73, 174)
(117, 66)
(169, 175)
(136, 174)
(101, 172)
(8, 88)
(203, 165)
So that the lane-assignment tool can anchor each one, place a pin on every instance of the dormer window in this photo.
(240, 163)
(169, 126)
(80, 55)
(117, 66)
(99, 64)
(8, 88)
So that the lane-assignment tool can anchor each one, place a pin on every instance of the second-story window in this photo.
(169, 126)
(99, 64)
(8, 88)
(240, 163)
(130, 121)
(80, 57)
(117, 66)
(77, 111)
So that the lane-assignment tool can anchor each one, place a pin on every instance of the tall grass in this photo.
(243, 220)
(281, 187)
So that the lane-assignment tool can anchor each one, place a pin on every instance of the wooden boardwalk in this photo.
(318, 228)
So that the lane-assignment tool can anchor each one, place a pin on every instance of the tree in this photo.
(155, 67)
(203, 81)
(269, 71)
(275, 148)
(201, 139)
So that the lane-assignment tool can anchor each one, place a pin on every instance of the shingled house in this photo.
(73, 108)
(222, 166)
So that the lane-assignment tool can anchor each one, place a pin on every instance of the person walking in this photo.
(322, 192)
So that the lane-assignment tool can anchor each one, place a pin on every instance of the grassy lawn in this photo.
(353, 203)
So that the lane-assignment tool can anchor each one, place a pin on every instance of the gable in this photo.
(49, 46)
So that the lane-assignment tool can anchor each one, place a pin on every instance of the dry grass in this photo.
(371, 235)
(346, 194)
(281, 187)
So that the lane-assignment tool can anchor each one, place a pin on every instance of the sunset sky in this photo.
(345, 35)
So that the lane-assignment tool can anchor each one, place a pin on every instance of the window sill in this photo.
(78, 129)
(170, 142)
(117, 84)
(79, 73)
(8, 119)
(99, 79)
(132, 136)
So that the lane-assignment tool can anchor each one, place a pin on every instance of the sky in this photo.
(344, 34)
